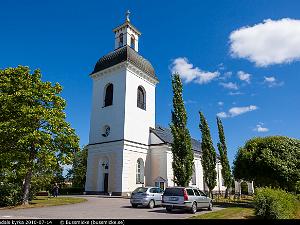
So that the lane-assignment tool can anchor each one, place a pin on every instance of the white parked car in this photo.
(146, 196)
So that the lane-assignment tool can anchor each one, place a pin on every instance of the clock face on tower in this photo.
(106, 131)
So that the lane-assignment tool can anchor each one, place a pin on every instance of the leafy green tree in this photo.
(209, 155)
(183, 157)
(269, 161)
(226, 173)
(10, 181)
(33, 130)
(78, 171)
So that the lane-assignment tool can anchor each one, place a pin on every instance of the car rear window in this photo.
(140, 190)
(173, 192)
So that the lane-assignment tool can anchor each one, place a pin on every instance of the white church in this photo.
(126, 148)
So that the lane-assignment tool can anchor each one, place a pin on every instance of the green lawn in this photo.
(228, 213)
(42, 201)
(241, 209)
(298, 210)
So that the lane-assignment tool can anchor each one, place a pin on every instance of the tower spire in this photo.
(127, 16)
(126, 34)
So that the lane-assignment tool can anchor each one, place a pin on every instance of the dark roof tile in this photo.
(166, 136)
(123, 54)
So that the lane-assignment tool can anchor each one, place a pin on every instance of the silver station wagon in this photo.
(146, 196)
(188, 198)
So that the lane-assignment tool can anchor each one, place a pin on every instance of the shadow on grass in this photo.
(251, 217)
(233, 204)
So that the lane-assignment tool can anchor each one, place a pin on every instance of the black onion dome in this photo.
(123, 54)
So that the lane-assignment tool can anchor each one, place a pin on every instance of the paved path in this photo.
(96, 208)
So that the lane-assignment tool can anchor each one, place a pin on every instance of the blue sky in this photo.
(234, 61)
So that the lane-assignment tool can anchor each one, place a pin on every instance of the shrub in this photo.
(71, 191)
(274, 204)
(10, 194)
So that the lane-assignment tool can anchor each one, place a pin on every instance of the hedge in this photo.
(274, 204)
(10, 194)
(71, 191)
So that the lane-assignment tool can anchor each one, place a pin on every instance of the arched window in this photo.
(140, 171)
(132, 42)
(121, 40)
(141, 98)
(109, 95)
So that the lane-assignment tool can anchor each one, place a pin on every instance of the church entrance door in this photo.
(106, 183)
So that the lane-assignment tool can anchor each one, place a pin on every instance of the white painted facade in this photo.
(113, 158)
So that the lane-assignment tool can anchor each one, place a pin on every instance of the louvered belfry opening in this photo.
(109, 95)
(141, 98)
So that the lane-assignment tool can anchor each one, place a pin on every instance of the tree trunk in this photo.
(226, 192)
(27, 180)
(210, 193)
(26, 187)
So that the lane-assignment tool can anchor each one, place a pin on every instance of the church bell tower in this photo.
(123, 111)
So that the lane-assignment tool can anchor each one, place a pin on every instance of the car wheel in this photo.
(169, 208)
(210, 206)
(151, 204)
(134, 205)
(194, 208)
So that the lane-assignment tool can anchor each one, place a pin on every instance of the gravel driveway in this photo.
(96, 208)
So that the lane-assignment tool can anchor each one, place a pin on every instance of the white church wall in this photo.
(128, 35)
(132, 152)
(111, 115)
(170, 174)
(199, 171)
(94, 176)
(158, 163)
(138, 121)
(219, 186)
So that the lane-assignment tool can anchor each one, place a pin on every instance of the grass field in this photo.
(298, 210)
(42, 201)
(229, 213)
(241, 209)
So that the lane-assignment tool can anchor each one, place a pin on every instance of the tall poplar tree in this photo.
(183, 157)
(209, 155)
(226, 173)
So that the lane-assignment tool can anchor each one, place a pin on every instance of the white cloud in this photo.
(221, 66)
(270, 79)
(272, 82)
(189, 73)
(235, 93)
(220, 103)
(259, 128)
(244, 76)
(236, 111)
(267, 43)
(222, 115)
(226, 75)
(230, 85)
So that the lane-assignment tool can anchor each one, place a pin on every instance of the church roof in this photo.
(123, 54)
(166, 136)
